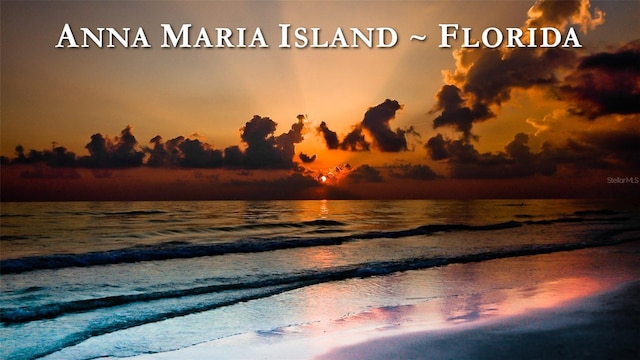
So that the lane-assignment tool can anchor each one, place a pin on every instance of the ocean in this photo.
(83, 280)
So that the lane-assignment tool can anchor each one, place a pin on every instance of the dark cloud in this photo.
(466, 162)
(306, 158)
(261, 144)
(330, 137)
(455, 113)
(376, 121)
(485, 78)
(489, 79)
(199, 155)
(364, 173)
(605, 83)
(286, 141)
(596, 85)
(355, 141)
(437, 148)
(233, 156)
(375, 124)
(121, 152)
(158, 153)
(614, 149)
(264, 149)
(181, 152)
(621, 147)
(58, 156)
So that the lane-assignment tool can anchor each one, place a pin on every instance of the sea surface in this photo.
(83, 280)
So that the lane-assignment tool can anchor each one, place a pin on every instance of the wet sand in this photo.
(579, 304)
(605, 326)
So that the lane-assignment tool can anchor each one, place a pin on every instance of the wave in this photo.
(305, 278)
(186, 250)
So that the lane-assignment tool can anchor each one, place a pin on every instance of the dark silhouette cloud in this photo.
(264, 149)
(121, 152)
(364, 173)
(605, 83)
(58, 156)
(98, 152)
(330, 137)
(306, 158)
(355, 141)
(199, 155)
(233, 156)
(466, 162)
(455, 113)
(614, 149)
(375, 124)
(376, 121)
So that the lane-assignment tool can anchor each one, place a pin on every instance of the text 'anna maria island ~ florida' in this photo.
(188, 36)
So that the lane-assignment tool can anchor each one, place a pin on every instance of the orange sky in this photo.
(64, 96)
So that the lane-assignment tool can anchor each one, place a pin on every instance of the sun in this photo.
(323, 179)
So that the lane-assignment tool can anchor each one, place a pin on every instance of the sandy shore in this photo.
(604, 326)
(578, 305)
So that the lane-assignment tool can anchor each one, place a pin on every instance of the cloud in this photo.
(605, 83)
(58, 156)
(199, 155)
(355, 141)
(306, 158)
(560, 14)
(466, 162)
(591, 86)
(330, 137)
(376, 124)
(376, 121)
(363, 174)
(484, 78)
(455, 113)
(611, 149)
(264, 149)
(121, 152)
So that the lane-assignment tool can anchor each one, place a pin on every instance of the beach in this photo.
(314, 279)
(582, 304)
(604, 326)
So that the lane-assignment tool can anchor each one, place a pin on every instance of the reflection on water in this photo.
(432, 299)
(439, 297)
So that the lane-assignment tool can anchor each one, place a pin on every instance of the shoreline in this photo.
(601, 326)
(577, 304)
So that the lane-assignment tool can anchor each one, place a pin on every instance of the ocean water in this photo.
(83, 280)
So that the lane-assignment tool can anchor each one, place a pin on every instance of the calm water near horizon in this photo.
(83, 280)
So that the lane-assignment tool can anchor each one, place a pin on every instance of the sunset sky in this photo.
(413, 120)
